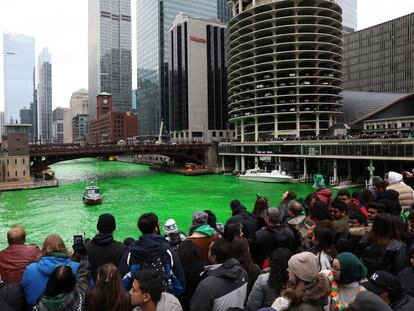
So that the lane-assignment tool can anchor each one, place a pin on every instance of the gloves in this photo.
(281, 304)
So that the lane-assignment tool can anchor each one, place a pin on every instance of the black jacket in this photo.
(268, 239)
(390, 199)
(406, 277)
(193, 277)
(406, 303)
(11, 297)
(224, 288)
(240, 215)
(104, 249)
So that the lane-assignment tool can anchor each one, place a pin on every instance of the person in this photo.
(269, 285)
(388, 197)
(63, 291)
(297, 221)
(36, 275)
(147, 293)
(11, 296)
(233, 231)
(324, 249)
(241, 252)
(319, 213)
(172, 235)
(307, 289)
(193, 267)
(283, 205)
(226, 284)
(345, 277)
(240, 215)
(212, 222)
(381, 250)
(388, 287)
(103, 248)
(201, 234)
(340, 219)
(108, 293)
(152, 250)
(406, 195)
(17, 256)
(374, 209)
(259, 210)
(274, 235)
(323, 194)
(353, 204)
(367, 301)
(406, 275)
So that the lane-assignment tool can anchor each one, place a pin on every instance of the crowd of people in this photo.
(324, 252)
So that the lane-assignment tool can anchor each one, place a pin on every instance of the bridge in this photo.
(43, 156)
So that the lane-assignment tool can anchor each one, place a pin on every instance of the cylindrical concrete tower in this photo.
(284, 67)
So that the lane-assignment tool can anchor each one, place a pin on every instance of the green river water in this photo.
(128, 191)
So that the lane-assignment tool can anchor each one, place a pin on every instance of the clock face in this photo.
(105, 101)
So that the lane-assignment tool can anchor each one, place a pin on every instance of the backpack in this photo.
(298, 242)
(170, 282)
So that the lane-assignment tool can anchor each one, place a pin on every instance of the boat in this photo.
(274, 176)
(92, 196)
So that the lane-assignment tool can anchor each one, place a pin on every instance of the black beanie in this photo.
(106, 223)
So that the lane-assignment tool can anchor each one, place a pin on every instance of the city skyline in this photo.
(71, 56)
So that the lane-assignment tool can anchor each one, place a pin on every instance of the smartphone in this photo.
(78, 242)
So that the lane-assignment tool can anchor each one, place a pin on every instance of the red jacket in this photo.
(14, 260)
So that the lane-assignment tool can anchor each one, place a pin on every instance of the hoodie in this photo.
(242, 216)
(224, 288)
(37, 274)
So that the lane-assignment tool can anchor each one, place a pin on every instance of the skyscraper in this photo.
(349, 15)
(109, 51)
(224, 13)
(154, 19)
(19, 63)
(44, 96)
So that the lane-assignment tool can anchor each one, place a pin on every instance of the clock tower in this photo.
(104, 104)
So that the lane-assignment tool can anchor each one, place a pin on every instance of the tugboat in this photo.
(92, 196)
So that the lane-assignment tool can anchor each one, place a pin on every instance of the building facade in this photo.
(44, 97)
(60, 120)
(26, 117)
(111, 126)
(154, 19)
(19, 64)
(380, 58)
(284, 69)
(80, 128)
(109, 52)
(198, 80)
(79, 105)
(349, 15)
(1, 124)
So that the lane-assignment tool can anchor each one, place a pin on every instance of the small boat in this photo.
(274, 176)
(92, 196)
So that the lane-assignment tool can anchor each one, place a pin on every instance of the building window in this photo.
(8, 174)
(24, 173)
(7, 161)
(16, 173)
(15, 161)
(24, 161)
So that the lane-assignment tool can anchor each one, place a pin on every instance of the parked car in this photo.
(259, 86)
(292, 74)
(305, 83)
(268, 94)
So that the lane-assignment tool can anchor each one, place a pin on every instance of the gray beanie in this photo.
(304, 266)
(200, 218)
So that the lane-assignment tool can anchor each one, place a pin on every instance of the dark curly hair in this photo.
(279, 275)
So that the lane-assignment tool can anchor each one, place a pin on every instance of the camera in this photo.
(78, 243)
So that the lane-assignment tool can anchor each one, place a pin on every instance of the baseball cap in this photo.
(382, 281)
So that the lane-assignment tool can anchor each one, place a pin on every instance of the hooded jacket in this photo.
(406, 195)
(240, 215)
(148, 248)
(103, 249)
(202, 238)
(37, 274)
(224, 288)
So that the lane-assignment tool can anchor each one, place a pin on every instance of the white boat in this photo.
(274, 176)
(92, 196)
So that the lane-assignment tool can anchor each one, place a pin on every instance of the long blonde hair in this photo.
(53, 244)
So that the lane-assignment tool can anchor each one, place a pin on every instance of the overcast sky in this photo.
(62, 26)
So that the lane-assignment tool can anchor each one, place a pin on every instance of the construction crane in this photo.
(159, 141)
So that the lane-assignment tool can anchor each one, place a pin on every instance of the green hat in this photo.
(352, 269)
(318, 181)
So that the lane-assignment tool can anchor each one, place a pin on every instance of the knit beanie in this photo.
(170, 226)
(200, 218)
(304, 266)
(106, 223)
(352, 269)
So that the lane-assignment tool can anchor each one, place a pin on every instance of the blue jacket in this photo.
(37, 274)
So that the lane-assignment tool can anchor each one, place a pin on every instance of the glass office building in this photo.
(19, 63)
(44, 96)
(154, 19)
(349, 15)
(109, 53)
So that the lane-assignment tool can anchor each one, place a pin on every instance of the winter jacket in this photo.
(202, 238)
(268, 239)
(14, 260)
(75, 300)
(406, 277)
(368, 301)
(240, 215)
(148, 248)
(406, 303)
(406, 195)
(37, 274)
(103, 249)
(11, 297)
(389, 198)
(224, 288)
(341, 227)
(350, 242)
(316, 295)
(262, 295)
(167, 302)
(193, 277)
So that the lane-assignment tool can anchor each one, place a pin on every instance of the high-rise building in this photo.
(19, 63)
(109, 51)
(223, 11)
(154, 19)
(380, 58)
(198, 80)
(26, 117)
(57, 127)
(44, 96)
(349, 15)
(80, 128)
(284, 70)
(1, 123)
(78, 106)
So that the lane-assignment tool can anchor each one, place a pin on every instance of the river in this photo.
(128, 191)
